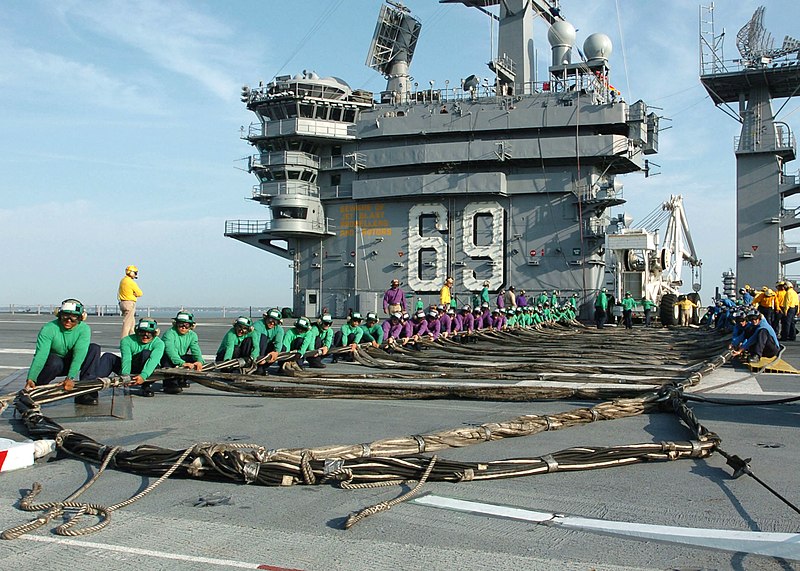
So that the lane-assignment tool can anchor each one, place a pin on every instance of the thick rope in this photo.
(384, 506)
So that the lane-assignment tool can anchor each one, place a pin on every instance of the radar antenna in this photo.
(392, 48)
(756, 44)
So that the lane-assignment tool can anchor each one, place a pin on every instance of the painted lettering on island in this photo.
(368, 218)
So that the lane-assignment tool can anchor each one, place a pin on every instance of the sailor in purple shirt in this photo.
(498, 319)
(501, 298)
(419, 325)
(392, 327)
(522, 301)
(465, 321)
(393, 298)
(407, 329)
(433, 323)
(449, 324)
(486, 316)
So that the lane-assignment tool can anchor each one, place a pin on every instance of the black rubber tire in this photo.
(695, 297)
(668, 310)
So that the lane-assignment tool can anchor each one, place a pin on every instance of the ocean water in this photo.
(143, 310)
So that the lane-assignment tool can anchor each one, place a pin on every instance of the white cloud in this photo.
(173, 35)
(44, 76)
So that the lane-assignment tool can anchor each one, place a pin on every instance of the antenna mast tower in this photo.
(764, 147)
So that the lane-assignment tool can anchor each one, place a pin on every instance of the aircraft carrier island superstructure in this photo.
(505, 180)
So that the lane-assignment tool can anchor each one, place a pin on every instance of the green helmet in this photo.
(184, 317)
(356, 316)
(243, 321)
(326, 319)
(149, 325)
(273, 314)
(71, 307)
(302, 323)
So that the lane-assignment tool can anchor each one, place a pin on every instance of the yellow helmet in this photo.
(133, 269)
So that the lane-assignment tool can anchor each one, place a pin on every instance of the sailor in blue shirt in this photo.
(762, 342)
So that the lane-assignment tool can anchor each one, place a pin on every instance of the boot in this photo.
(171, 387)
(89, 399)
(147, 390)
(316, 363)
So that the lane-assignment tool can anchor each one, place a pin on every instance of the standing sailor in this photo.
(790, 305)
(127, 295)
(600, 308)
(628, 303)
(446, 293)
(394, 299)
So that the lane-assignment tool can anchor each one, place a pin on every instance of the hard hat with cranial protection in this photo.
(272, 314)
(131, 269)
(148, 325)
(184, 317)
(71, 307)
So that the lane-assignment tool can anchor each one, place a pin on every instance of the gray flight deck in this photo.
(190, 524)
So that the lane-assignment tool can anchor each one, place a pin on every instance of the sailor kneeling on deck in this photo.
(299, 339)
(141, 355)
(181, 349)
(270, 342)
(63, 347)
(240, 342)
(349, 334)
(761, 341)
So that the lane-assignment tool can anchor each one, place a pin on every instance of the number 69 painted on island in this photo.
(466, 246)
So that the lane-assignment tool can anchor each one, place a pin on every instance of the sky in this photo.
(120, 124)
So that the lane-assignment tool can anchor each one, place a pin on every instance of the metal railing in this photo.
(300, 188)
(253, 227)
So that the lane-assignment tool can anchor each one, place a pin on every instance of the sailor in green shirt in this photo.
(63, 347)
(181, 346)
(299, 339)
(181, 349)
(601, 308)
(270, 334)
(647, 306)
(321, 336)
(239, 342)
(141, 355)
(372, 331)
(349, 334)
(628, 303)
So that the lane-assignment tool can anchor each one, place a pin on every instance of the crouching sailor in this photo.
(240, 342)
(63, 347)
(371, 331)
(762, 342)
(299, 339)
(141, 355)
(350, 333)
(270, 339)
(321, 340)
(181, 349)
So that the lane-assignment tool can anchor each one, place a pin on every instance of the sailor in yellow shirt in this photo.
(127, 295)
(446, 293)
(790, 305)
